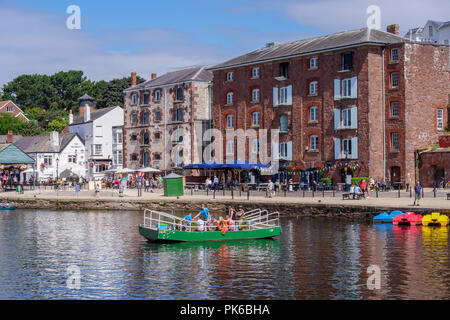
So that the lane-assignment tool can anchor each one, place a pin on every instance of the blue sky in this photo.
(118, 37)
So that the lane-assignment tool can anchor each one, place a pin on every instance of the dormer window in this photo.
(230, 76)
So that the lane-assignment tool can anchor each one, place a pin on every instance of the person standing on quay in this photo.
(417, 193)
(77, 189)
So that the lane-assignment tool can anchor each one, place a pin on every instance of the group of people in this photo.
(205, 222)
(5, 205)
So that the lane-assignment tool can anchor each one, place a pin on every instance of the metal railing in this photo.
(162, 221)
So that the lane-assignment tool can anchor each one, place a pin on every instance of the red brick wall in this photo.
(430, 163)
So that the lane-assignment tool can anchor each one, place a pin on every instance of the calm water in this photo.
(313, 259)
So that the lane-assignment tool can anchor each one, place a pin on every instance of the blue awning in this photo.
(236, 164)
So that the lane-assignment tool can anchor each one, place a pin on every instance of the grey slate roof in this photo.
(414, 31)
(3, 138)
(94, 115)
(439, 24)
(313, 45)
(41, 144)
(185, 75)
(86, 97)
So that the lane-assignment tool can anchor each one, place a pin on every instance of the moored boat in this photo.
(409, 218)
(8, 208)
(435, 218)
(165, 227)
(387, 217)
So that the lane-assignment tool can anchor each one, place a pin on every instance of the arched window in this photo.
(284, 120)
(146, 98)
(230, 97)
(157, 95)
(255, 118)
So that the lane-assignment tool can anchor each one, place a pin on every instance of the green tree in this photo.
(9, 122)
(110, 93)
(31, 128)
(58, 124)
(36, 113)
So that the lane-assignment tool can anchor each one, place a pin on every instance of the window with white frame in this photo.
(346, 118)
(394, 55)
(255, 95)
(284, 121)
(230, 121)
(283, 95)
(230, 76)
(283, 150)
(9, 108)
(134, 99)
(313, 87)
(314, 142)
(395, 112)
(72, 158)
(98, 131)
(255, 72)
(346, 88)
(157, 95)
(230, 147)
(48, 160)
(394, 79)
(347, 148)
(313, 63)
(395, 141)
(314, 114)
(97, 149)
(255, 118)
(255, 144)
(230, 96)
(440, 119)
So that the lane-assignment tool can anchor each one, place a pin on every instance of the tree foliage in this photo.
(48, 99)
(9, 122)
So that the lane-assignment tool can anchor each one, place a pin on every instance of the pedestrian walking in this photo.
(77, 189)
(97, 190)
(417, 193)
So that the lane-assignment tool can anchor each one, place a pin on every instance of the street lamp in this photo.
(57, 169)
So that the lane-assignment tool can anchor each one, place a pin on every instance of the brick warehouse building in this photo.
(162, 117)
(327, 97)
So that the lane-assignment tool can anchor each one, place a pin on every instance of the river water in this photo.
(41, 253)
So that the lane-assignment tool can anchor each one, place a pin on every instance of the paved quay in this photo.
(109, 199)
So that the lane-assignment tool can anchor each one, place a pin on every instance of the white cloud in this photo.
(335, 16)
(38, 42)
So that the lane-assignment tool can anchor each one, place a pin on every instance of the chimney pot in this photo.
(54, 138)
(393, 28)
(9, 137)
(153, 76)
(87, 113)
(133, 79)
(70, 116)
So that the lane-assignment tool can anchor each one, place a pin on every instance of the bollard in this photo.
(434, 191)
(248, 194)
(303, 193)
(285, 192)
(173, 211)
(267, 194)
(410, 192)
(423, 193)
(192, 191)
(313, 193)
(214, 194)
(333, 193)
(399, 191)
(232, 193)
(207, 191)
(376, 190)
(323, 193)
(223, 191)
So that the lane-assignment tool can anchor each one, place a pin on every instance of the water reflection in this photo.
(314, 258)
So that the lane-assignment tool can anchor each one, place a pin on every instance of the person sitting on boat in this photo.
(201, 225)
(188, 219)
(8, 205)
(230, 224)
(2, 205)
(212, 225)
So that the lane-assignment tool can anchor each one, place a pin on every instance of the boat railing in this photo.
(162, 221)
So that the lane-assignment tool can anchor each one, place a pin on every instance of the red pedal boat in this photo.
(409, 218)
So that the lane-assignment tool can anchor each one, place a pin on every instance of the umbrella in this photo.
(148, 169)
(125, 170)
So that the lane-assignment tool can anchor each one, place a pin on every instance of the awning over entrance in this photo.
(11, 154)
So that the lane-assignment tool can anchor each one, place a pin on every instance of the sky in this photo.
(146, 36)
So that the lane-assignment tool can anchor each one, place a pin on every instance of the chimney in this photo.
(9, 137)
(70, 117)
(133, 79)
(153, 76)
(393, 28)
(54, 139)
(87, 113)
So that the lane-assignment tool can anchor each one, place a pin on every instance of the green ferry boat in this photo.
(165, 227)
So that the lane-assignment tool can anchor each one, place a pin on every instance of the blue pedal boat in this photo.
(387, 217)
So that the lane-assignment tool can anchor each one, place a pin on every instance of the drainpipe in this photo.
(165, 130)
(383, 116)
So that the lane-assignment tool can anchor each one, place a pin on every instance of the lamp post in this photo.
(57, 169)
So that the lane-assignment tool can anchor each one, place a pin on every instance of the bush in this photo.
(357, 180)
(326, 180)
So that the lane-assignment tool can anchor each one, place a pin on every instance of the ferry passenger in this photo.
(239, 213)
(204, 212)
(201, 225)
(188, 219)
(2, 205)
(230, 223)
(8, 205)
(212, 226)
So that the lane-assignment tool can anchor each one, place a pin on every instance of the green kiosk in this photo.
(173, 185)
